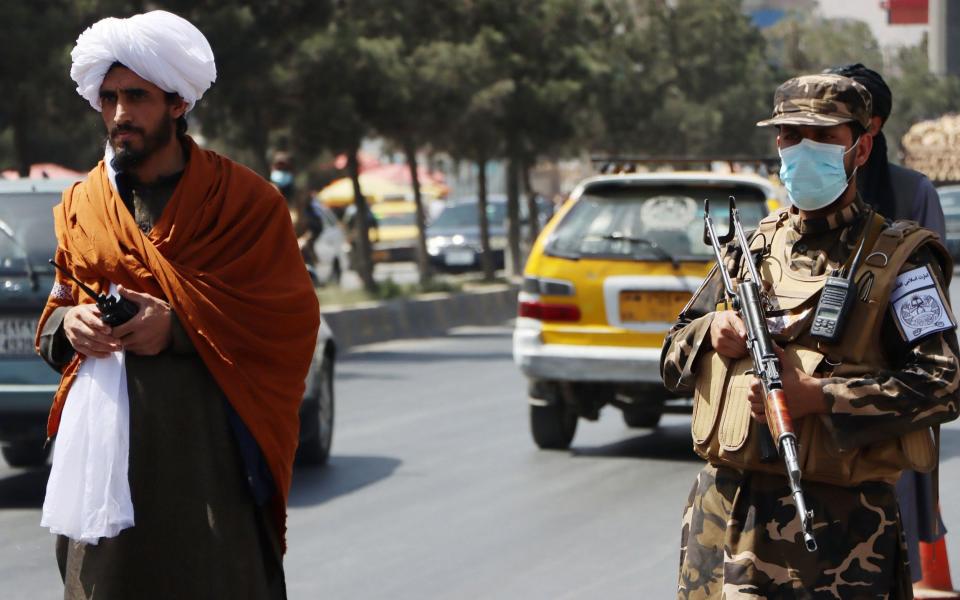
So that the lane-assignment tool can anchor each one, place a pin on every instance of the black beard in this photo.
(126, 158)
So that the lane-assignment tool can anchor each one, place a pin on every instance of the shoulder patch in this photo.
(918, 305)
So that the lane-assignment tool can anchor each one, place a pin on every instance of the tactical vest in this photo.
(724, 432)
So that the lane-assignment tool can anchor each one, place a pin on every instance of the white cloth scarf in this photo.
(88, 493)
(159, 46)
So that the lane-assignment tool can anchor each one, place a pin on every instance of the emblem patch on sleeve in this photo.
(918, 305)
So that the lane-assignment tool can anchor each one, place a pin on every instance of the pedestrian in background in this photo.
(307, 224)
(895, 192)
(213, 364)
(900, 193)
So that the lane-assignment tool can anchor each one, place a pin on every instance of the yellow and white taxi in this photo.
(604, 283)
(394, 238)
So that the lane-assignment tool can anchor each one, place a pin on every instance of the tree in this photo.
(544, 53)
(418, 98)
(686, 80)
(255, 44)
(918, 94)
(805, 43)
(40, 108)
(338, 74)
(470, 69)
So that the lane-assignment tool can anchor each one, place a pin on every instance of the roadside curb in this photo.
(424, 316)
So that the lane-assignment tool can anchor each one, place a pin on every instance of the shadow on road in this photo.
(482, 335)
(341, 476)
(364, 374)
(671, 442)
(419, 357)
(25, 489)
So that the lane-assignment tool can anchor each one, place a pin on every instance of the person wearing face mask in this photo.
(863, 404)
(900, 193)
(307, 224)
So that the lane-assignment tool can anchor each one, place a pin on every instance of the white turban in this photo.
(159, 46)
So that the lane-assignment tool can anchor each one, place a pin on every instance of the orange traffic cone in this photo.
(935, 567)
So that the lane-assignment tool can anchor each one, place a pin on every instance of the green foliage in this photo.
(918, 94)
(478, 79)
(804, 44)
(687, 80)
(45, 118)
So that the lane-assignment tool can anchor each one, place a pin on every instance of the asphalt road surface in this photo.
(435, 490)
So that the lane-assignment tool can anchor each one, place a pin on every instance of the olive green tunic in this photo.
(198, 532)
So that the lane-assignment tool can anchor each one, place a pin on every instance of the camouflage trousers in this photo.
(741, 539)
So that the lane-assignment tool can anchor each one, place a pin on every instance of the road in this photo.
(434, 490)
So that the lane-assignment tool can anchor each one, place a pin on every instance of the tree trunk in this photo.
(21, 138)
(423, 259)
(533, 211)
(514, 266)
(361, 229)
(259, 143)
(486, 256)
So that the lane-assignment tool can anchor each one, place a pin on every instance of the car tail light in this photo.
(542, 311)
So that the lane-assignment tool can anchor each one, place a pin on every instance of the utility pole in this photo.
(943, 45)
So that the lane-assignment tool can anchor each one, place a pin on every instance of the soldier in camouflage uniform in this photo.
(863, 407)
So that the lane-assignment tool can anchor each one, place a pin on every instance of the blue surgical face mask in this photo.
(813, 173)
(281, 178)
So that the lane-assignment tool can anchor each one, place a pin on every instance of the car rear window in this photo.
(29, 217)
(950, 200)
(395, 219)
(630, 221)
(466, 215)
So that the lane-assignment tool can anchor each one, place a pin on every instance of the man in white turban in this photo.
(189, 500)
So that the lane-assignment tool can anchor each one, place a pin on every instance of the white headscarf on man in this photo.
(159, 46)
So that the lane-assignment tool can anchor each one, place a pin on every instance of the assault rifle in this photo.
(766, 366)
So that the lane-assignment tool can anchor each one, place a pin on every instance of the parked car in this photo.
(330, 248)
(27, 383)
(950, 201)
(317, 407)
(603, 284)
(453, 239)
(393, 229)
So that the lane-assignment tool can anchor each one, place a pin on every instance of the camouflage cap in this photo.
(820, 100)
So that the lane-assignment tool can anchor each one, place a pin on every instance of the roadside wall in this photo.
(424, 316)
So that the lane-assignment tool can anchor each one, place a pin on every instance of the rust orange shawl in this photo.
(224, 255)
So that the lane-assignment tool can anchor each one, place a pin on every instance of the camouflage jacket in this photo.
(921, 388)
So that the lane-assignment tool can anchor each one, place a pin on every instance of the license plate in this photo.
(458, 257)
(16, 336)
(657, 307)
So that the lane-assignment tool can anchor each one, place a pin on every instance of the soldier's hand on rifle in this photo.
(804, 393)
(151, 330)
(728, 334)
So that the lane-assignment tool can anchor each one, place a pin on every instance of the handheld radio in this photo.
(113, 311)
(836, 299)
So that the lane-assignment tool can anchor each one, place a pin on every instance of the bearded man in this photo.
(174, 485)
